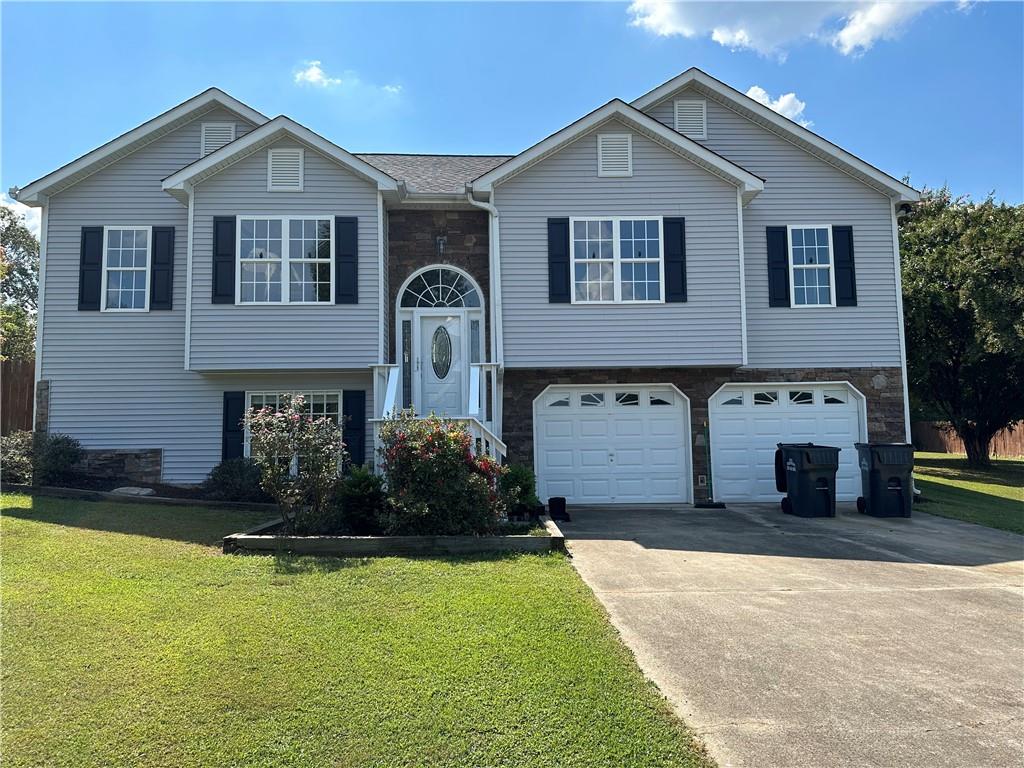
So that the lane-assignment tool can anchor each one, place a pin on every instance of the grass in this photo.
(129, 640)
(992, 497)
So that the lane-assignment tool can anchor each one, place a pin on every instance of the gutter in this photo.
(497, 345)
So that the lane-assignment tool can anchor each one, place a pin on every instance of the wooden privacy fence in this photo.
(17, 380)
(929, 436)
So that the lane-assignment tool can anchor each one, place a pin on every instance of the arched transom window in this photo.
(440, 287)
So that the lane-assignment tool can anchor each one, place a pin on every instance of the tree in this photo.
(963, 298)
(19, 286)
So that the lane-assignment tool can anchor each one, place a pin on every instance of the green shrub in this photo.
(435, 484)
(518, 488)
(16, 458)
(55, 459)
(235, 480)
(359, 503)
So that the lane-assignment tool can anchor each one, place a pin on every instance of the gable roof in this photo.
(267, 134)
(644, 124)
(784, 127)
(434, 174)
(35, 193)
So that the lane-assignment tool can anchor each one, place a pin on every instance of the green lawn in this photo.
(993, 497)
(128, 640)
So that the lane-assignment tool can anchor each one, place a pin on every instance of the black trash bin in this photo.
(810, 478)
(885, 473)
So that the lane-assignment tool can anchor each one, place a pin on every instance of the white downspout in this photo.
(44, 224)
(497, 343)
(899, 319)
(190, 191)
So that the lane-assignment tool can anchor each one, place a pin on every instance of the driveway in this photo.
(828, 642)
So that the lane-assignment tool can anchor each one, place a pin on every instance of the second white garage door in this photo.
(611, 444)
(747, 421)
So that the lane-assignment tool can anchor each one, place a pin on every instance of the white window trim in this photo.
(104, 268)
(218, 124)
(302, 169)
(629, 151)
(246, 440)
(617, 259)
(793, 267)
(704, 117)
(285, 261)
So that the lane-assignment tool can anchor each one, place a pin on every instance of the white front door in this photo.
(441, 364)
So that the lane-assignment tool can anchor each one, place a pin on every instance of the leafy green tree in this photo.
(19, 286)
(963, 297)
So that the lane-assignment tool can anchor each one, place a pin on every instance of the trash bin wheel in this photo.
(787, 505)
(862, 506)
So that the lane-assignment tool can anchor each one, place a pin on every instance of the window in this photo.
(691, 118)
(627, 398)
(126, 269)
(834, 397)
(661, 398)
(736, 399)
(617, 260)
(812, 283)
(591, 399)
(559, 401)
(213, 136)
(614, 154)
(440, 288)
(285, 260)
(285, 170)
(766, 398)
(318, 405)
(801, 397)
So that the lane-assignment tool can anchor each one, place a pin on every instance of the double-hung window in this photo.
(126, 258)
(811, 276)
(617, 260)
(317, 405)
(285, 260)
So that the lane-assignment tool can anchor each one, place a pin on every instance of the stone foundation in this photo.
(42, 421)
(882, 387)
(144, 465)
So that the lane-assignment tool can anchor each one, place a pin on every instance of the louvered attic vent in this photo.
(614, 154)
(284, 170)
(692, 118)
(215, 136)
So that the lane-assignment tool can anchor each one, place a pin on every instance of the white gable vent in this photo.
(614, 154)
(284, 170)
(215, 136)
(692, 118)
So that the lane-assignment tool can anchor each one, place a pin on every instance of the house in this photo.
(640, 305)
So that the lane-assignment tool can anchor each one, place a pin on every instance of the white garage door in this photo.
(748, 420)
(618, 443)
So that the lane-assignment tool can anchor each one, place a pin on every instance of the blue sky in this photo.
(930, 90)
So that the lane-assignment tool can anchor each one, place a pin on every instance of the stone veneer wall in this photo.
(882, 387)
(142, 464)
(42, 421)
(412, 244)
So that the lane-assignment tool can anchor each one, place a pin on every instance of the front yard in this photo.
(992, 497)
(129, 640)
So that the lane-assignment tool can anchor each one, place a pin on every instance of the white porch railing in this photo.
(385, 389)
(483, 440)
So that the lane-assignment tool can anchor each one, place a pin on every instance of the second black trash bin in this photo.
(885, 473)
(810, 472)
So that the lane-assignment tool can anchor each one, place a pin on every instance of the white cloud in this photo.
(311, 73)
(787, 105)
(770, 28)
(32, 215)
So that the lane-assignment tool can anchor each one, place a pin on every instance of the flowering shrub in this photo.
(300, 459)
(435, 484)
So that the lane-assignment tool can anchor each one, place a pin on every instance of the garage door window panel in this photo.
(627, 398)
(801, 397)
(592, 399)
(766, 398)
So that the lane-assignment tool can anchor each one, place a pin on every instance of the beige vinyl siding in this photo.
(117, 380)
(292, 337)
(802, 189)
(703, 331)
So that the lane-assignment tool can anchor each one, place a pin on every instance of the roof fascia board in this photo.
(244, 145)
(794, 132)
(197, 105)
(619, 109)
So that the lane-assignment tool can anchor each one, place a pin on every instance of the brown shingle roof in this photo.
(434, 174)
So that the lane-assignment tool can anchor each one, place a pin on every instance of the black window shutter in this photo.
(231, 442)
(846, 278)
(353, 406)
(223, 259)
(559, 284)
(346, 260)
(778, 267)
(90, 268)
(161, 273)
(675, 259)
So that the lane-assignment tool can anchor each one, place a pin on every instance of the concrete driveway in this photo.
(831, 642)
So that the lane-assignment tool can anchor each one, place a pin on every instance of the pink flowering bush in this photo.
(300, 459)
(435, 484)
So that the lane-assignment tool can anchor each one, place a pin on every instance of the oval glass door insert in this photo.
(441, 352)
